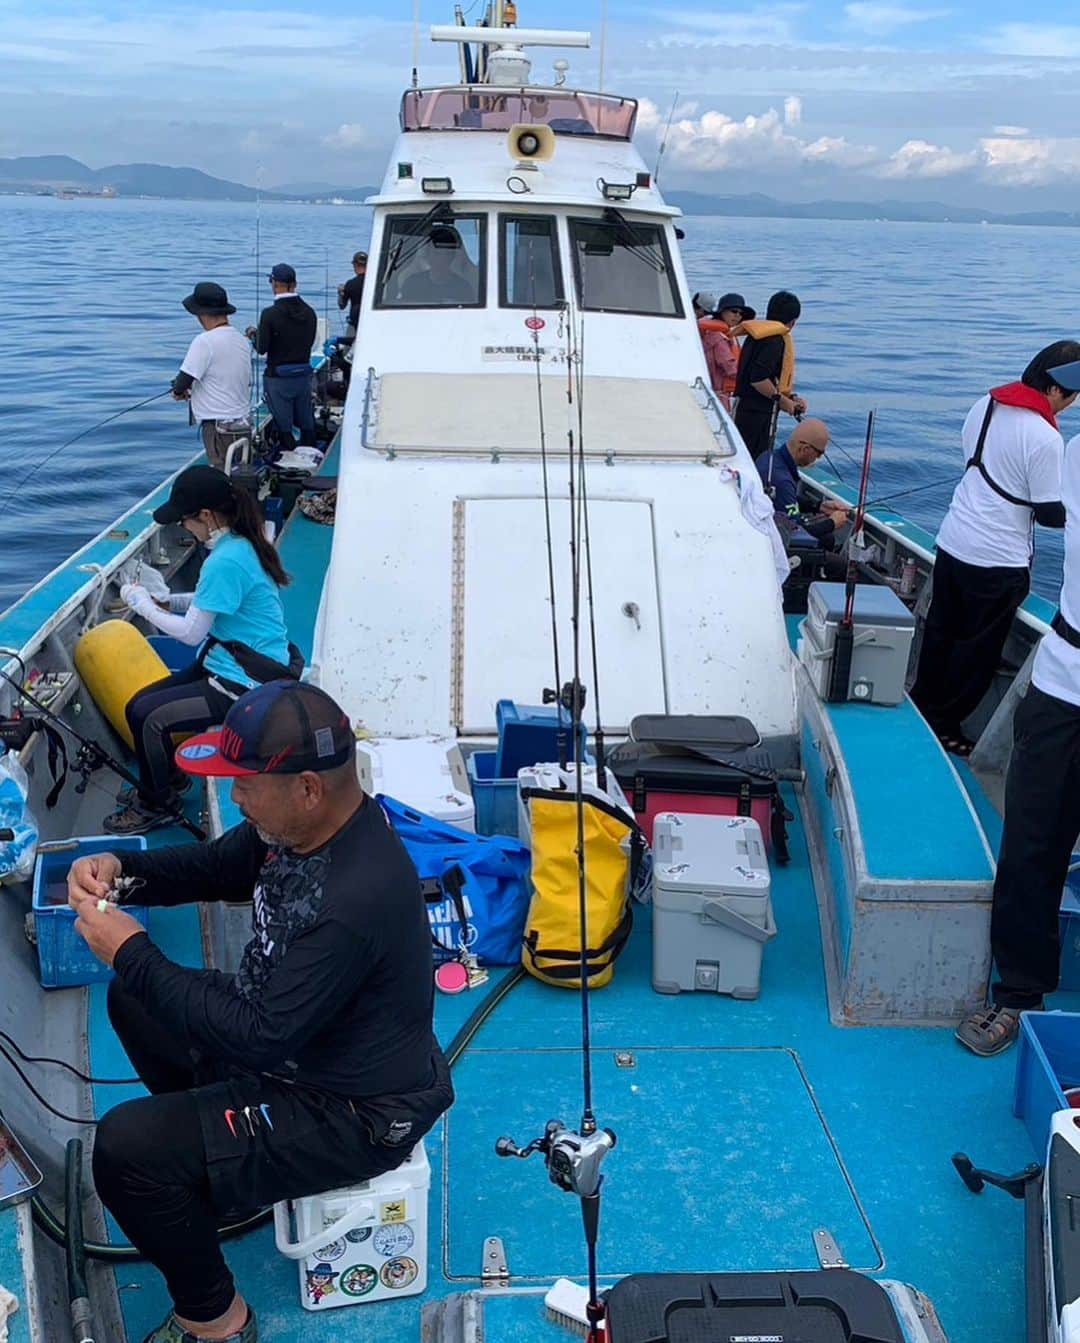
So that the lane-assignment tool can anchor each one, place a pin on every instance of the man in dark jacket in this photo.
(312, 1067)
(285, 334)
(779, 471)
(764, 384)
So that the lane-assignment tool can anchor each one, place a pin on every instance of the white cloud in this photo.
(349, 135)
(1055, 40)
(766, 140)
(1011, 130)
(1030, 162)
(921, 159)
(759, 27)
(878, 18)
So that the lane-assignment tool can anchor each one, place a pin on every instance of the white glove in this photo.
(135, 596)
(145, 575)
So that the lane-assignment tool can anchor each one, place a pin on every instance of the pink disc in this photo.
(452, 977)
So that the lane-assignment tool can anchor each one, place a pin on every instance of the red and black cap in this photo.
(282, 727)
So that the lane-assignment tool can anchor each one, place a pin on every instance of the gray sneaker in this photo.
(169, 1331)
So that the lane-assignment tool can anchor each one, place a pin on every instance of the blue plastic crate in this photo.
(495, 798)
(64, 958)
(1047, 1065)
(176, 656)
(528, 735)
(1069, 927)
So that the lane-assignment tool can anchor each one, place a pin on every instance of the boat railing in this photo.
(487, 107)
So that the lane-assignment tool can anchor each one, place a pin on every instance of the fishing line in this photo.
(75, 439)
(69, 1067)
(915, 489)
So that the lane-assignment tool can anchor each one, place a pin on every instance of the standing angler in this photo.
(285, 334)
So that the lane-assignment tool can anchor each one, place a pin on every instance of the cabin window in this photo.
(433, 263)
(530, 275)
(623, 266)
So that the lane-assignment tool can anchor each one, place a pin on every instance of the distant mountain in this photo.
(932, 212)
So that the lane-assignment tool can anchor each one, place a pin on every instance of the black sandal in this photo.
(957, 745)
(990, 1030)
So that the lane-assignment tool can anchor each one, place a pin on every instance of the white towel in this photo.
(8, 1307)
(757, 509)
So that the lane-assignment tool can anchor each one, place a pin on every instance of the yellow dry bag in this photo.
(553, 933)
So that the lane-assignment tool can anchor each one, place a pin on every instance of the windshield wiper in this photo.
(400, 256)
(646, 252)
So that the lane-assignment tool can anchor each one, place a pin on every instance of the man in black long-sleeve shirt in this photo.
(314, 1066)
(285, 334)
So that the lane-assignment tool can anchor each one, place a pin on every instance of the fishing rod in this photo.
(83, 433)
(573, 1158)
(843, 646)
(916, 489)
(663, 142)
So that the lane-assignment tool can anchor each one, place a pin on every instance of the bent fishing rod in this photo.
(844, 642)
(84, 433)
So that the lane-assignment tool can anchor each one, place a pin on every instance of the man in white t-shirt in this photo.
(1012, 479)
(1042, 808)
(215, 376)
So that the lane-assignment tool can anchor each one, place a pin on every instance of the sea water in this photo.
(916, 320)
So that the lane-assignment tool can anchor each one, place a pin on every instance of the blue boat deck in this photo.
(743, 1126)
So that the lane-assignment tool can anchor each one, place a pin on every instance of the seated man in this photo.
(779, 470)
(312, 1067)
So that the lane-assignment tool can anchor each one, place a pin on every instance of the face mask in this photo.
(215, 535)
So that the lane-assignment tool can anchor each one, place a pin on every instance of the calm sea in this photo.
(915, 319)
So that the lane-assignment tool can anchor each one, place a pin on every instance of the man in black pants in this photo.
(1011, 480)
(285, 334)
(764, 381)
(1042, 807)
(314, 1066)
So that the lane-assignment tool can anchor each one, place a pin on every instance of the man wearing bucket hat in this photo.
(215, 377)
(314, 1066)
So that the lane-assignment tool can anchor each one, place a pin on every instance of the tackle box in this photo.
(1047, 1065)
(712, 909)
(835, 1305)
(883, 632)
(684, 772)
(64, 958)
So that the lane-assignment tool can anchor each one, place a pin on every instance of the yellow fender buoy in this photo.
(115, 662)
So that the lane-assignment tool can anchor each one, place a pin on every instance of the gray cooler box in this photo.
(712, 912)
(884, 630)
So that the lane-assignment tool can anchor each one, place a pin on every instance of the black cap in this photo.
(208, 300)
(195, 488)
(283, 273)
(735, 301)
(282, 727)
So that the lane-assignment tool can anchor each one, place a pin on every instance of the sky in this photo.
(945, 100)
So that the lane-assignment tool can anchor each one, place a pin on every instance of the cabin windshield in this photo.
(483, 107)
(436, 263)
(530, 274)
(622, 266)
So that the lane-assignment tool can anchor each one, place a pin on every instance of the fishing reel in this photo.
(572, 1159)
(571, 698)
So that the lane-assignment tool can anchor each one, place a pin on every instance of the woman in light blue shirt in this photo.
(235, 613)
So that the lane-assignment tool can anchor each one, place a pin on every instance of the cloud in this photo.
(921, 159)
(879, 18)
(1030, 162)
(1058, 41)
(759, 27)
(349, 135)
(1011, 130)
(716, 140)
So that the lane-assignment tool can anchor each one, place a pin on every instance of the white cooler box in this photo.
(365, 1243)
(712, 911)
(884, 630)
(554, 779)
(427, 773)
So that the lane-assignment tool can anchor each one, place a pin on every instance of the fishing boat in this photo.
(527, 360)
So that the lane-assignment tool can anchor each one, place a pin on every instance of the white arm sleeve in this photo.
(190, 628)
(180, 601)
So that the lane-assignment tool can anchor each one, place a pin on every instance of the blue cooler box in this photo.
(1047, 1065)
(65, 959)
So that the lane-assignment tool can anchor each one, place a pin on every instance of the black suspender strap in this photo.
(976, 461)
(1068, 632)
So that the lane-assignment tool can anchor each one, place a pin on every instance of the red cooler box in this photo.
(707, 765)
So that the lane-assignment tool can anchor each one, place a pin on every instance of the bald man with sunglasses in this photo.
(779, 471)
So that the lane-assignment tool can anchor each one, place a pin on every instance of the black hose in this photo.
(47, 1221)
(82, 1329)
